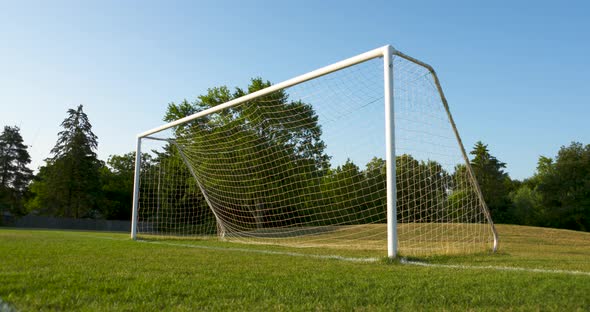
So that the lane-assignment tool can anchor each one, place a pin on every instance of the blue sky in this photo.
(515, 72)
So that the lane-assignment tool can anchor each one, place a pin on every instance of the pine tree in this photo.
(493, 182)
(69, 184)
(14, 173)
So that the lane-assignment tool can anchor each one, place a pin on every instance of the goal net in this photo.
(304, 164)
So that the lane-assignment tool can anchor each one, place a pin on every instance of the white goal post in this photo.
(279, 165)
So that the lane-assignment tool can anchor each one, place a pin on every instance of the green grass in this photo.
(69, 270)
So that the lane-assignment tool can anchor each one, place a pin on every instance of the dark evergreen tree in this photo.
(493, 181)
(15, 176)
(69, 184)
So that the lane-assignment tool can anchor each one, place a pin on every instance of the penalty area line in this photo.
(490, 267)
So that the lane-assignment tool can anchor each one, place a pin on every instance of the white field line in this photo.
(490, 267)
(403, 261)
(268, 252)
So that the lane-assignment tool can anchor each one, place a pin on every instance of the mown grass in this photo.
(68, 270)
(533, 247)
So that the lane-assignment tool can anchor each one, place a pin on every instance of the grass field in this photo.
(536, 269)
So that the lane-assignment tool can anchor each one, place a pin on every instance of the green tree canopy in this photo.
(564, 187)
(274, 119)
(117, 185)
(278, 136)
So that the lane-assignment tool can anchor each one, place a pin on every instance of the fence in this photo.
(69, 223)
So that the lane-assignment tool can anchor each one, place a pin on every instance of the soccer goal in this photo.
(359, 155)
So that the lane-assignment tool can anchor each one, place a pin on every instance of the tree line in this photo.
(73, 182)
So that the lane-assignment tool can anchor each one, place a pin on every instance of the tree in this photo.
(564, 187)
(69, 184)
(421, 186)
(527, 207)
(376, 190)
(493, 181)
(301, 138)
(15, 176)
(343, 191)
(117, 185)
(270, 128)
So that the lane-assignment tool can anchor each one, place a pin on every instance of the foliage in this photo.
(69, 183)
(269, 127)
(177, 192)
(526, 203)
(340, 192)
(287, 132)
(74, 183)
(558, 195)
(564, 187)
(493, 181)
(15, 176)
(117, 186)
(420, 184)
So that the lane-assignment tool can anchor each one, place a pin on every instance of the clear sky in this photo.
(516, 73)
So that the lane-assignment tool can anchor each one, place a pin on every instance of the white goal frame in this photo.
(387, 53)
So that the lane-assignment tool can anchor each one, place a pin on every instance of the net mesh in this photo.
(304, 167)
